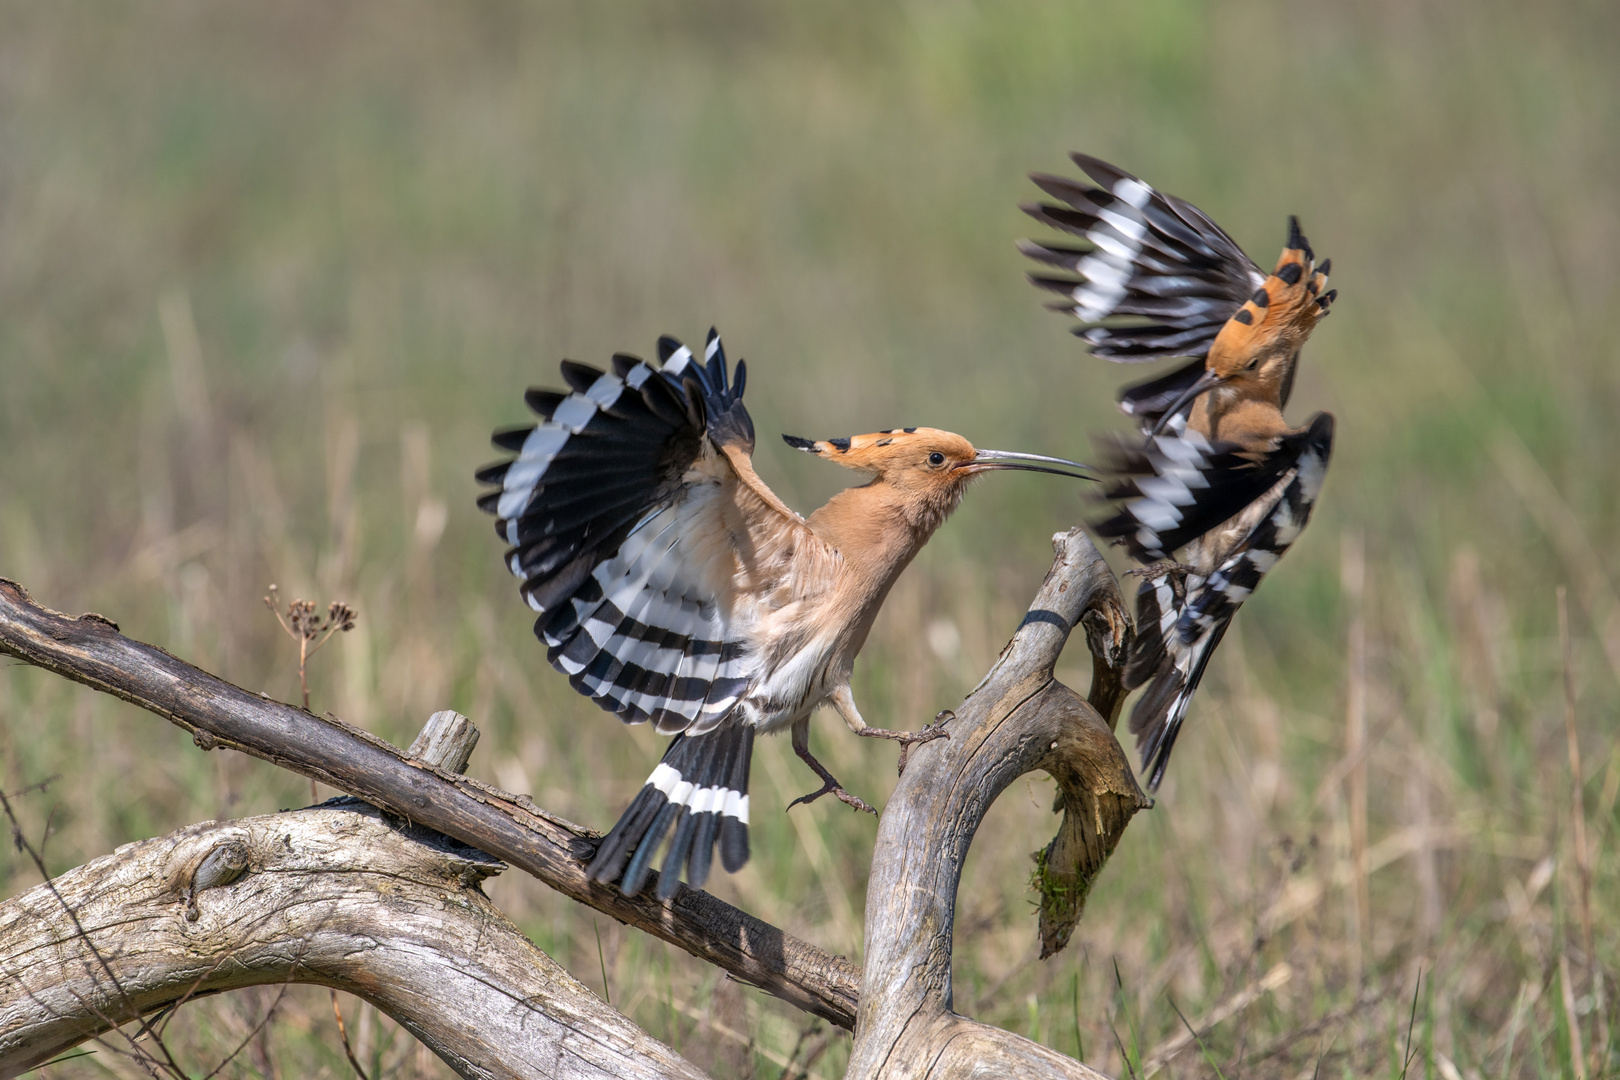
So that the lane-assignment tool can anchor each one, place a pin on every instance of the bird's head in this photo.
(930, 465)
(1255, 352)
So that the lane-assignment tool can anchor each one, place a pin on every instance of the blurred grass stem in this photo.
(1353, 576)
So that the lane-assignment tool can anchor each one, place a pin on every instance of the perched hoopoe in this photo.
(674, 587)
(1222, 478)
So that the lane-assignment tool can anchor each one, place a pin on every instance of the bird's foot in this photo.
(829, 783)
(829, 786)
(1162, 568)
(908, 739)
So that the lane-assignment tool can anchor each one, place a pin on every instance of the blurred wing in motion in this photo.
(1154, 277)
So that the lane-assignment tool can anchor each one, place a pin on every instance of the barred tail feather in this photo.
(1159, 603)
(1168, 666)
(700, 788)
(1157, 718)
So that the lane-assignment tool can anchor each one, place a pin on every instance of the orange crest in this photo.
(1281, 314)
(883, 451)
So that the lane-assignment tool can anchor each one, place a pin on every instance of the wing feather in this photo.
(1181, 618)
(642, 536)
(1178, 486)
(1154, 276)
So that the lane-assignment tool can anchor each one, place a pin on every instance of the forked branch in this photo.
(1019, 719)
(90, 650)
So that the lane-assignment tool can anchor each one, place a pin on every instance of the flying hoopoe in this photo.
(674, 587)
(1221, 478)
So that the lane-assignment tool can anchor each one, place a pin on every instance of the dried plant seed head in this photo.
(340, 616)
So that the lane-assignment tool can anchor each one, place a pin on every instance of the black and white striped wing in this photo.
(1177, 486)
(1181, 618)
(1154, 277)
(1239, 573)
(610, 508)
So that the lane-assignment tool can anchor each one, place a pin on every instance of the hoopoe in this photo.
(1221, 477)
(674, 587)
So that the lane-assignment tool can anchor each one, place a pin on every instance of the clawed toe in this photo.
(829, 783)
(1154, 571)
(908, 739)
(933, 731)
(831, 787)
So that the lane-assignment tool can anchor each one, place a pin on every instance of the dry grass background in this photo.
(269, 274)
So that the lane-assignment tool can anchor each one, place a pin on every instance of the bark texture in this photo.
(391, 909)
(1017, 720)
(335, 895)
(90, 650)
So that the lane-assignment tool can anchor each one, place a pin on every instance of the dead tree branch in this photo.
(90, 650)
(335, 895)
(1017, 720)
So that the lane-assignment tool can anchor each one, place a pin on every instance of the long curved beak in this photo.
(987, 460)
(1206, 382)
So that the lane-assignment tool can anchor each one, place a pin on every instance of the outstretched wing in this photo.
(1154, 276)
(1181, 618)
(642, 536)
(1178, 485)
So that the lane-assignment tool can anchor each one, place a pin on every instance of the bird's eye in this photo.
(936, 458)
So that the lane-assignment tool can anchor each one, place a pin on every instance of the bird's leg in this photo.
(829, 783)
(844, 701)
(1162, 568)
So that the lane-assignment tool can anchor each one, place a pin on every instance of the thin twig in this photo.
(1411, 1022)
(607, 994)
(251, 1035)
(1353, 574)
(1209, 1058)
(1123, 1056)
(343, 1033)
(302, 625)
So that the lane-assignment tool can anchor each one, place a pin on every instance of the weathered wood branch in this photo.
(1017, 720)
(90, 650)
(335, 895)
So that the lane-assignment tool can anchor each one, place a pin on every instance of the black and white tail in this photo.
(700, 789)
(1170, 664)
(1153, 276)
(1177, 489)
